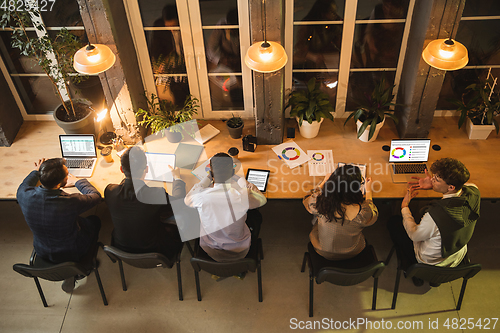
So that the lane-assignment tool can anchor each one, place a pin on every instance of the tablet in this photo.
(259, 178)
(158, 167)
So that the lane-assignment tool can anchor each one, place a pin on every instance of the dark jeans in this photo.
(401, 241)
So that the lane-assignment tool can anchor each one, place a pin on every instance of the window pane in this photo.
(381, 9)
(222, 48)
(216, 12)
(90, 89)
(361, 85)
(226, 92)
(481, 7)
(317, 46)
(15, 62)
(321, 10)
(166, 51)
(37, 93)
(64, 13)
(172, 88)
(482, 40)
(455, 83)
(377, 45)
(155, 13)
(328, 83)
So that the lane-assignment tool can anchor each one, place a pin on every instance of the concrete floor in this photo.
(151, 303)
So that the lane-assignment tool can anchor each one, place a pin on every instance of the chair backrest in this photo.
(224, 268)
(56, 272)
(436, 274)
(349, 277)
(139, 260)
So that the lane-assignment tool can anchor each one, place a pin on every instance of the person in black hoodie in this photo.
(141, 214)
(442, 235)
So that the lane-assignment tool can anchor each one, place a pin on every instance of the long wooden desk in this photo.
(40, 139)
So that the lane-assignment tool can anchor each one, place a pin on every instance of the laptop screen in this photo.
(409, 150)
(77, 145)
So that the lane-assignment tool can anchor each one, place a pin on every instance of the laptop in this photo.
(407, 159)
(80, 153)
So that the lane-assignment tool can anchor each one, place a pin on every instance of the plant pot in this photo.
(309, 131)
(235, 132)
(82, 126)
(364, 137)
(173, 136)
(478, 132)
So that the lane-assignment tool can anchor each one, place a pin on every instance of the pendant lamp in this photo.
(265, 56)
(446, 54)
(93, 59)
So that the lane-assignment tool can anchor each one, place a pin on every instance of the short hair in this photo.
(452, 171)
(222, 168)
(169, 13)
(52, 172)
(133, 158)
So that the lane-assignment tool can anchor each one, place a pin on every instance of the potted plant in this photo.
(55, 57)
(164, 116)
(235, 126)
(311, 105)
(370, 115)
(479, 105)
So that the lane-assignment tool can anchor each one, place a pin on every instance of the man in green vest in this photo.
(442, 235)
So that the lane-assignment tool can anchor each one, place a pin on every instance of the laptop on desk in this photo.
(80, 153)
(407, 159)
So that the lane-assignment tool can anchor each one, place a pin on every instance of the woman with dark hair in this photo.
(340, 213)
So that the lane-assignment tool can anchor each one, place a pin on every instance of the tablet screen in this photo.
(259, 178)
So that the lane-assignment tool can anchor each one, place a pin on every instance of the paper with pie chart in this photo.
(321, 162)
(290, 153)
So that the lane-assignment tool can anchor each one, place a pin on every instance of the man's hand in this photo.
(37, 165)
(422, 183)
(410, 194)
(71, 181)
(176, 173)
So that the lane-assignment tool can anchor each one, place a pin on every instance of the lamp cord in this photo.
(263, 13)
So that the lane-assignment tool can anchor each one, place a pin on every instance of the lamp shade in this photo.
(446, 54)
(266, 57)
(93, 59)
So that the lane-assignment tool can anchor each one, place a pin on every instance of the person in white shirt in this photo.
(442, 235)
(226, 204)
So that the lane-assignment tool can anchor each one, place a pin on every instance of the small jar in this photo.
(106, 153)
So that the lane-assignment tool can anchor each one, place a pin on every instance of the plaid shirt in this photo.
(53, 217)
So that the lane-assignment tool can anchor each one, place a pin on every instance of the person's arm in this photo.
(89, 196)
(418, 232)
(421, 183)
(178, 186)
(190, 198)
(255, 197)
(309, 201)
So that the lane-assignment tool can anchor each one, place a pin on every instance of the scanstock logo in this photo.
(207, 199)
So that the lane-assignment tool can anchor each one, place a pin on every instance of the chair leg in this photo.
(462, 293)
(122, 275)
(303, 268)
(197, 278)
(190, 248)
(374, 300)
(389, 256)
(396, 287)
(259, 281)
(179, 280)
(39, 287)
(311, 295)
(261, 251)
(101, 289)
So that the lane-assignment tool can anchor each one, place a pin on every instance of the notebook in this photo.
(158, 167)
(206, 133)
(407, 158)
(80, 153)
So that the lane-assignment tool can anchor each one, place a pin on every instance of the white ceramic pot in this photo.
(309, 131)
(478, 132)
(364, 137)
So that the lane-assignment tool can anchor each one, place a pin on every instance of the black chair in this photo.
(146, 260)
(436, 275)
(342, 272)
(201, 261)
(43, 269)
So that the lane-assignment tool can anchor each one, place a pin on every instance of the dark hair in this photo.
(133, 158)
(222, 167)
(169, 13)
(452, 171)
(52, 172)
(341, 189)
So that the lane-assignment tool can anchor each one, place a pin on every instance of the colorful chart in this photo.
(318, 157)
(400, 150)
(297, 153)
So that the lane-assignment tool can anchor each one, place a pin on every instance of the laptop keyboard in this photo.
(79, 163)
(409, 168)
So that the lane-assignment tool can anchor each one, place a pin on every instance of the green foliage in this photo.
(59, 68)
(477, 105)
(311, 104)
(376, 107)
(163, 114)
(234, 122)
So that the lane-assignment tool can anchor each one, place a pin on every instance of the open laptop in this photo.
(407, 158)
(80, 153)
